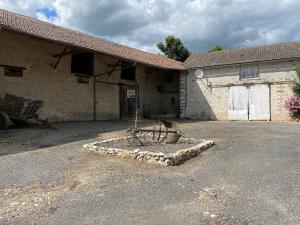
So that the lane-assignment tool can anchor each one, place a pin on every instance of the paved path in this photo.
(251, 176)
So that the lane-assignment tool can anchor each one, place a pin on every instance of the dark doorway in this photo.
(127, 102)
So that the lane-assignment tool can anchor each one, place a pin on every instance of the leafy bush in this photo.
(293, 105)
(293, 102)
(296, 83)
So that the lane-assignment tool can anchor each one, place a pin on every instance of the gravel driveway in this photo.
(251, 176)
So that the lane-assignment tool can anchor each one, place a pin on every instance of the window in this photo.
(249, 71)
(82, 63)
(160, 89)
(170, 78)
(128, 71)
(173, 101)
(13, 71)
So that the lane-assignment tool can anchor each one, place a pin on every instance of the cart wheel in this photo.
(4, 120)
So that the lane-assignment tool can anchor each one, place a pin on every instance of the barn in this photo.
(239, 84)
(82, 77)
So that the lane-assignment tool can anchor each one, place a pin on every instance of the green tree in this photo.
(216, 48)
(296, 83)
(173, 48)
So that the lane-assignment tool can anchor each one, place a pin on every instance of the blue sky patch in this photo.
(49, 13)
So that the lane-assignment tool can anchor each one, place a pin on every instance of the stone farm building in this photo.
(240, 84)
(81, 77)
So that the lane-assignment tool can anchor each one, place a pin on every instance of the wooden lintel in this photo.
(115, 69)
(10, 66)
(115, 83)
(65, 53)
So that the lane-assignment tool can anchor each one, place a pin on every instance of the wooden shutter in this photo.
(238, 103)
(259, 102)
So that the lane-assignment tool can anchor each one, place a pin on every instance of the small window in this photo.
(173, 101)
(13, 71)
(170, 78)
(160, 88)
(249, 71)
(128, 71)
(82, 63)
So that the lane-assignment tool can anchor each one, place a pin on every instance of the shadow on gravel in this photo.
(28, 138)
(22, 138)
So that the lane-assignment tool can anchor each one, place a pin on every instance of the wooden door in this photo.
(259, 102)
(238, 103)
(127, 103)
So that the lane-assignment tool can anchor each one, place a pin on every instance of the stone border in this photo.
(160, 158)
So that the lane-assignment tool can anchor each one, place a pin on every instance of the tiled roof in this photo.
(282, 51)
(47, 31)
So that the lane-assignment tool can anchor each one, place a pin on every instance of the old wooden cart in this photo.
(13, 108)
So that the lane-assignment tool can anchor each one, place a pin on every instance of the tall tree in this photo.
(173, 48)
(216, 48)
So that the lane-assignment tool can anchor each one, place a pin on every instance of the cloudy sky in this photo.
(200, 24)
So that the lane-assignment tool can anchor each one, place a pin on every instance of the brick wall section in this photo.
(207, 98)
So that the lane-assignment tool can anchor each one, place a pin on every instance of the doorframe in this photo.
(133, 87)
(248, 85)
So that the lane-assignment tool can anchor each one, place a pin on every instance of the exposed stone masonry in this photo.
(158, 158)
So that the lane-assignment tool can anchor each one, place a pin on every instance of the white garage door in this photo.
(249, 103)
(259, 102)
(238, 103)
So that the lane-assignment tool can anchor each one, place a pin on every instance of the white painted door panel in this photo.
(238, 103)
(259, 102)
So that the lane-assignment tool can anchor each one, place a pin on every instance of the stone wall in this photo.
(160, 102)
(64, 98)
(207, 96)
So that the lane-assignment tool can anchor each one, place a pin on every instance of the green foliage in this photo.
(173, 48)
(296, 83)
(216, 48)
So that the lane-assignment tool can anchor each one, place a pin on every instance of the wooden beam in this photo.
(120, 69)
(16, 67)
(66, 53)
(113, 65)
(115, 83)
(114, 68)
(60, 57)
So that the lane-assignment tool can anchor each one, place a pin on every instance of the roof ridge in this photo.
(89, 35)
(245, 48)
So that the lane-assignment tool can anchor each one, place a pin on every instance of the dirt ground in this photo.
(251, 176)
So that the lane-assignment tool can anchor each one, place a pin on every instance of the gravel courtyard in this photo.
(251, 176)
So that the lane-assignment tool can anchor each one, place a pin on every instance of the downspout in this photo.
(94, 91)
(136, 98)
(94, 99)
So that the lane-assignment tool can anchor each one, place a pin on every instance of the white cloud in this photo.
(201, 24)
